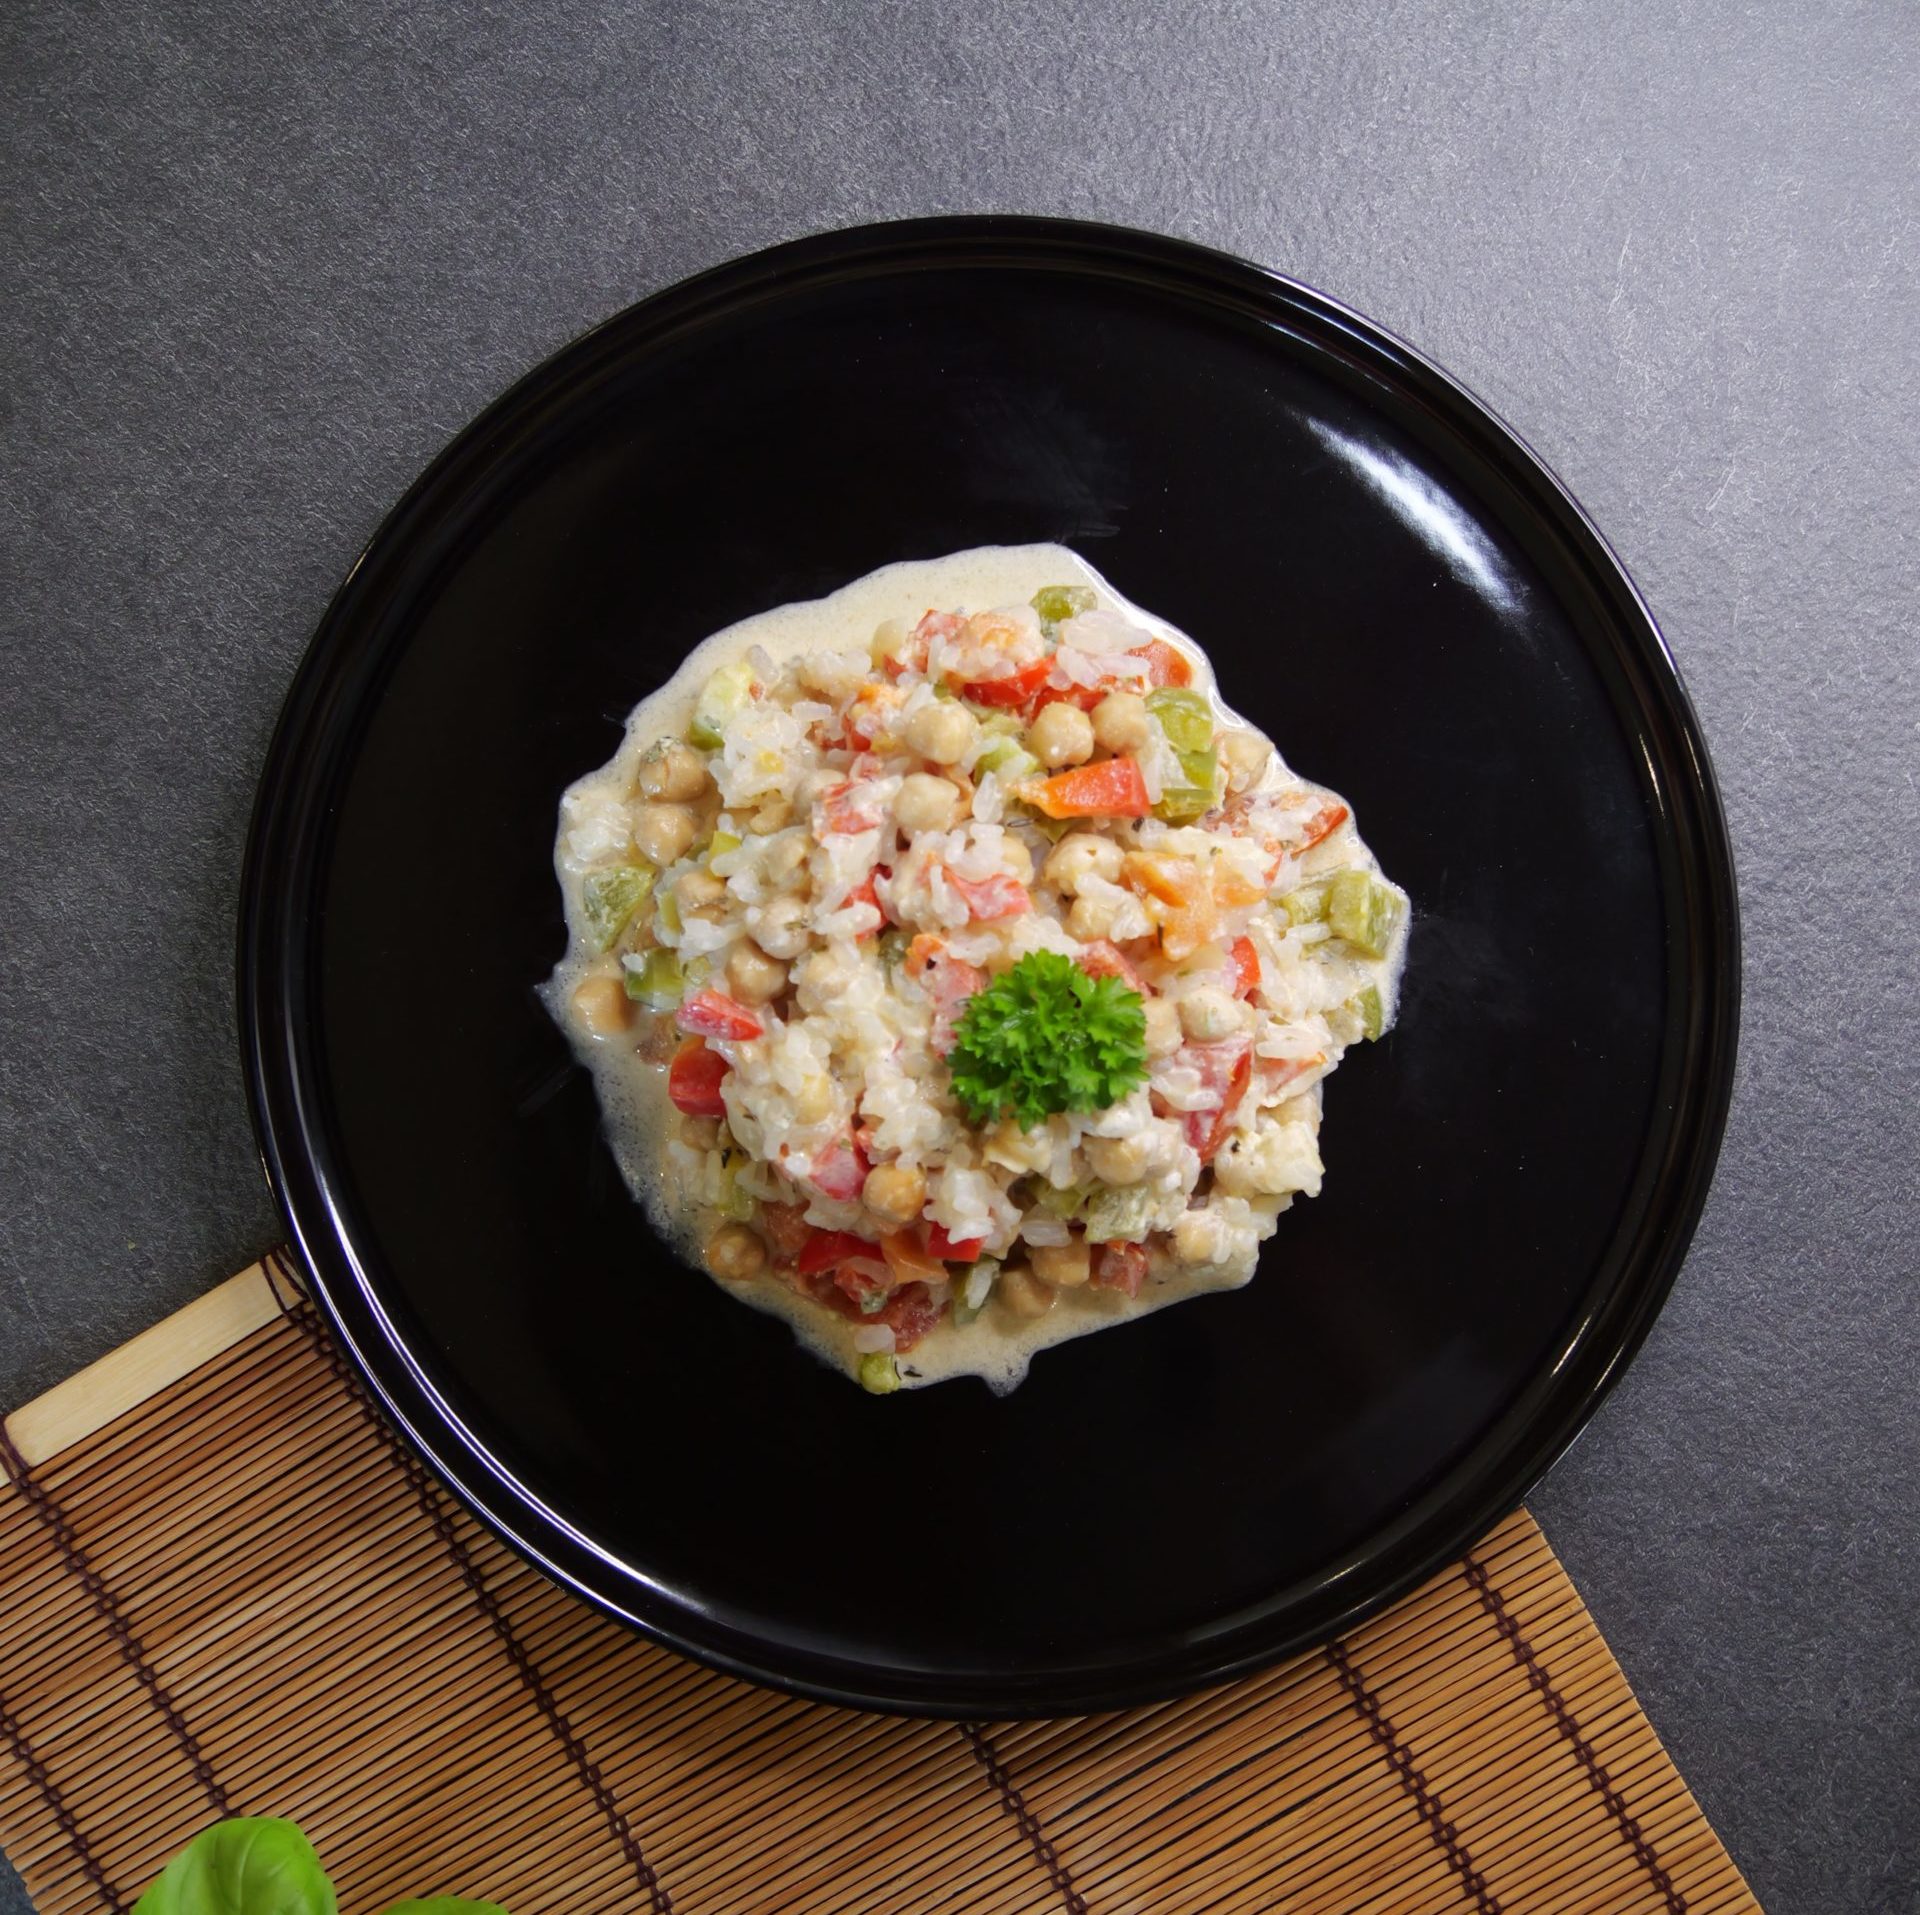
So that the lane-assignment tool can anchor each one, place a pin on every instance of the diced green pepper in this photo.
(1057, 602)
(657, 981)
(972, 1288)
(1180, 804)
(1001, 724)
(735, 1204)
(1308, 905)
(1065, 1204)
(1371, 1013)
(879, 1373)
(1362, 911)
(891, 948)
(720, 844)
(667, 911)
(720, 698)
(1010, 760)
(610, 898)
(1119, 1216)
(1185, 716)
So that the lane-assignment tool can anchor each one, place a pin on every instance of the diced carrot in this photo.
(865, 892)
(909, 1261)
(1165, 666)
(694, 1079)
(922, 952)
(1231, 891)
(1171, 880)
(713, 1014)
(849, 808)
(1228, 1068)
(1110, 788)
(1323, 824)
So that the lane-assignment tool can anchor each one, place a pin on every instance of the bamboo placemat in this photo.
(226, 1588)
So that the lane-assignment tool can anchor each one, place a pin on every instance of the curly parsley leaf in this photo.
(1045, 1037)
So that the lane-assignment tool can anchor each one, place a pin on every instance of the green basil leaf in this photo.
(251, 1865)
(446, 1905)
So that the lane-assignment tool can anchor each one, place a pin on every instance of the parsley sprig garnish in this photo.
(1045, 1037)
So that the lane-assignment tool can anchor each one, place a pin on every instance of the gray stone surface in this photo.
(261, 261)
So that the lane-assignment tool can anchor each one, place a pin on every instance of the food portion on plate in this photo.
(957, 972)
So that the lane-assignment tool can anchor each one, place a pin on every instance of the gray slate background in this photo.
(261, 261)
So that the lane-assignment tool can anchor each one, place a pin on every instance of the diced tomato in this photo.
(786, 1226)
(950, 1250)
(829, 1249)
(909, 1260)
(1226, 1069)
(1101, 959)
(910, 1314)
(839, 1171)
(1111, 788)
(999, 896)
(949, 981)
(694, 1079)
(1246, 966)
(866, 893)
(849, 808)
(1323, 824)
(1085, 696)
(1120, 1266)
(1009, 691)
(861, 1280)
(1165, 666)
(713, 1014)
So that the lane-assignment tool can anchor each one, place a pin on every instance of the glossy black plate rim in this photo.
(287, 833)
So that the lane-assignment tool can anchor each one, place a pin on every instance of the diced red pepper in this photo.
(1111, 788)
(1085, 696)
(829, 1249)
(839, 1171)
(949, 981)
(935, 625)
(694, 1079)
(1246, 966)
(847, 809)
(1009, 691)
(859, 1281)
(1165, 666)
(1120, 1266)
(712, 1013)
(951, 1250)
(1101, 959)
(1227, 1068)
(865, 892)
(1323, 824)
(999, 896)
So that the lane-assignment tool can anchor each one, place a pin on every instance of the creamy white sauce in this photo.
(640, 1118)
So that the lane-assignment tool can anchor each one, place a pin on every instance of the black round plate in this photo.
(1388, 582)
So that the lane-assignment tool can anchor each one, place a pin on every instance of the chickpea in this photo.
(889, 640)
(1245, 755)
(602, 1004)
(674, 772)
(783, 859)
(1017, 859)
(774, 814)
(942, 732)
(1119, 1160)
(1012, 1148)
(700, 1133)
(1163, 1027)
(1064, 1265)
(1121, 723)
(1078, 854)
(1199, 1237)
(1092, 918)
(662, 832)
(1022, 1294)
(752, 976)
(925, 803)
(1061, 735)
(895, 1192)
(834, 675)
(813, 1100)
(734, 1253)
(1209, 1013)
(698, 893)
(779, 927)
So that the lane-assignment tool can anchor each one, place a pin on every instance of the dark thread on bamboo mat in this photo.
(64, 1818)
(308, 1319)
(1446, 1837)
(1542, 1685)
(107, 1609)
(1015, 1805)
